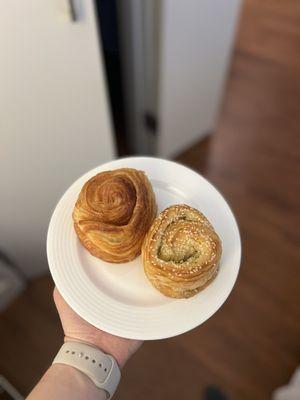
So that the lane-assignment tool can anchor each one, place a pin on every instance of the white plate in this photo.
(118, 298)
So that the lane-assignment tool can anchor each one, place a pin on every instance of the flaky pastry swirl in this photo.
(113, 213)
(181, 252)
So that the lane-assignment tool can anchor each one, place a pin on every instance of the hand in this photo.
(77, 329)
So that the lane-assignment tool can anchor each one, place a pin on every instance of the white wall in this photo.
(54, 117)
(195, 49)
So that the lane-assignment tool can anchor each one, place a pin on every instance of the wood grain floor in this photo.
(252, 345)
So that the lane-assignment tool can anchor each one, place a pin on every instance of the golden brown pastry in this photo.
(181, 252)
(113, 213)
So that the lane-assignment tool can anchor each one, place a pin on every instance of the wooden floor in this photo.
(252, 345)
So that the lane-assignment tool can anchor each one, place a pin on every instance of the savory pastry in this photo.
(113, 213)
(181, 252)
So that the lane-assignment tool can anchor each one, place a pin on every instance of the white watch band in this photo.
(101, 368)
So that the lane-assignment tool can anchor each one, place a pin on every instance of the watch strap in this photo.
(100, 367)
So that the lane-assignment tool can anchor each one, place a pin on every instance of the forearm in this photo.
(65, 382)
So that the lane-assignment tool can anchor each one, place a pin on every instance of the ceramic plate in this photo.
(118, 298)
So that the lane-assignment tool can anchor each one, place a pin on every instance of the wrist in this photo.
(119, 354)
(102, 369)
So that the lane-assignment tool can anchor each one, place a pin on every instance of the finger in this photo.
(55, 294)
(59, 300)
